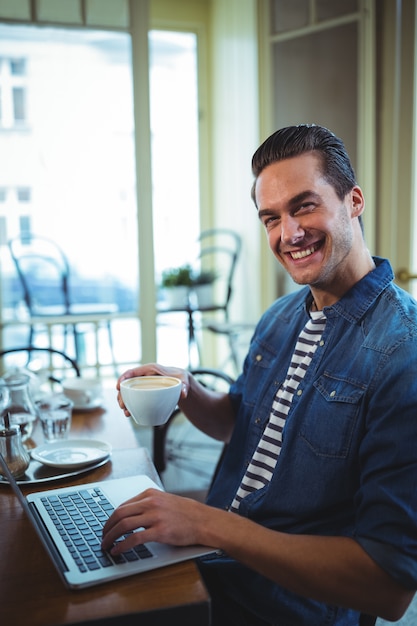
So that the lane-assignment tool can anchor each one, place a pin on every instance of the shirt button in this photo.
(258, 420)
(322, 343)
(332, 394)
(299, 392)
(258, 357)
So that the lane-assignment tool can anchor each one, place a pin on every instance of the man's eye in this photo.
(270, 220)
(305, 208)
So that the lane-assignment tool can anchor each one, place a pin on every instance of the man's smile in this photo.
(301, 254)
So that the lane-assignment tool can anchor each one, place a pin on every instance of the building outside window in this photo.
(13, 86)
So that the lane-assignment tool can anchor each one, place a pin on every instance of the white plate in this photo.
(40, 473)
(71, 453)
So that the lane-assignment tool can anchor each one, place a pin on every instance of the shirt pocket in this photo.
(331, 417)
(259, 362)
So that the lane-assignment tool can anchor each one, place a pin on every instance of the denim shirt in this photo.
(348, 463)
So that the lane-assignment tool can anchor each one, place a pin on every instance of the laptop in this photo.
(69, 523)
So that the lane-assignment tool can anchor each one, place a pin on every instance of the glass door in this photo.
(175, 171)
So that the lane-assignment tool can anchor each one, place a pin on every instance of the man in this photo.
(314, 510)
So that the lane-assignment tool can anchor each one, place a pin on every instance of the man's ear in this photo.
(357, 201)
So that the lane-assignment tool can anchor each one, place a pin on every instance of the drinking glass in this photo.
(55, 412)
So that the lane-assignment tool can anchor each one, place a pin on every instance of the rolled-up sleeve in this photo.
(386, 502)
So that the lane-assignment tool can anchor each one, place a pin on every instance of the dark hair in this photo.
(295, 140)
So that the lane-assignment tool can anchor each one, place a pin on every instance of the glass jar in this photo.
(19, 406)
(13, 450)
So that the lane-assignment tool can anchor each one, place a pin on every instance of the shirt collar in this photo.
(356, 302)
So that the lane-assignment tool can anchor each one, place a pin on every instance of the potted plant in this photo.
(177, 282)
(203, 283)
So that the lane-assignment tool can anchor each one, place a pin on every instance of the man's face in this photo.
(309, 229)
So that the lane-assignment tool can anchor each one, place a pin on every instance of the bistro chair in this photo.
(47, 363)
(180, 446)
(45, 277)
(219, 255)
(219, 251)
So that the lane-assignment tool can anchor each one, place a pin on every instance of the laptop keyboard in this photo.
(79, 518)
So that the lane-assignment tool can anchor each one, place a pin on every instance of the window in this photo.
(175, 158)
(18, 67)
(175, 168)
(25, 223)
(23, 194)
(19, 108)
(12, 92)
(3, 231)
(72, 178)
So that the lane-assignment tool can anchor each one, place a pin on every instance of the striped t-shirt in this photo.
(262, 465)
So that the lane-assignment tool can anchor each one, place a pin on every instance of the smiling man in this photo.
(314, 509)
(310, 223)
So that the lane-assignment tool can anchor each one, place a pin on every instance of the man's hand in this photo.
(162, 516)
(153, 369)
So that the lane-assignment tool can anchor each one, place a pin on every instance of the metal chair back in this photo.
(53, 364)
(179, 444)
(44, 274)
(219, 253)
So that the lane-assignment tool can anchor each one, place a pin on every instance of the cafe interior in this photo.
(127, 129)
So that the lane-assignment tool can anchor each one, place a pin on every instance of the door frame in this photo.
(396, 58)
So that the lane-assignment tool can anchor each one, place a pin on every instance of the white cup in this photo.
(150, 400)
(55, 412)
(85, 393)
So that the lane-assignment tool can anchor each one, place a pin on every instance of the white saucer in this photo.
(90, 406)
(71, 453)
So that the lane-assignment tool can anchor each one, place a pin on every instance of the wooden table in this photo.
(31, 592)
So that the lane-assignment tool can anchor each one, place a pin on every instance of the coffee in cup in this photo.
(150, 400)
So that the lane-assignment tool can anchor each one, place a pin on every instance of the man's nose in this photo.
(291, 231)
